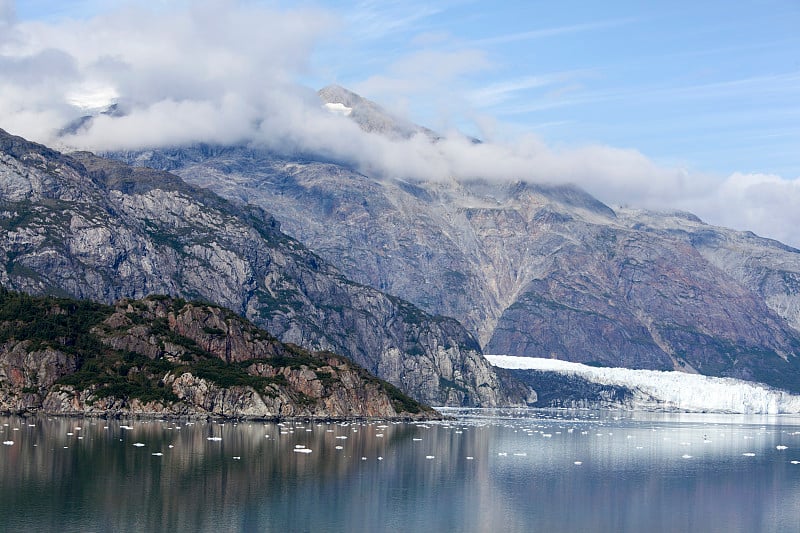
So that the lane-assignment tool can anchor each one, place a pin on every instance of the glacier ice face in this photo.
(670, 390)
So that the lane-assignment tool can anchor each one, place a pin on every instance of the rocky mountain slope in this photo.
(165, 356)
(91, 228)
(532, 269)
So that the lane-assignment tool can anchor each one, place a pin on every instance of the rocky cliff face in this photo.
(534, 270)
(168, 357)
(96, 229)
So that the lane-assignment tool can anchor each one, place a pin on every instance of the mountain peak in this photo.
(368, 115)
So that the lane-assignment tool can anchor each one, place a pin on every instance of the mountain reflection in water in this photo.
(516, 470)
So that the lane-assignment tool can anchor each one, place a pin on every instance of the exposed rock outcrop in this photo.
(531, 269)
(92, 228)
(161, 356)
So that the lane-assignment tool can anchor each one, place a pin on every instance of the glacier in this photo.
(669, 390)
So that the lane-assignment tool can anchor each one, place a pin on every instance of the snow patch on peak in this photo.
(339, 109)
(674, 391)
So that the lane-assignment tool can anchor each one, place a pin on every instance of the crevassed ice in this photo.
(668, 389)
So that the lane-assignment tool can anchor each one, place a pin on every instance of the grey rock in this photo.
(96, 229)
(532, 269)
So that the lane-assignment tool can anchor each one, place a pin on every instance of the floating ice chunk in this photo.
(416, 439)
(170, 446)
(749, 454)
(157, 454)
(781, 447)
(138, 444)
(380, 458)
(686, 456)
(340, 447)
(470, 458)
(8, 442)
(126, 427)
(214, 438)
(502, 454)
(429, 456)
(237, 457)
(577, 463)
(520, 454)
(302, 450)
(363, 458)
(795, 462)
(342, 437)
(70, 434)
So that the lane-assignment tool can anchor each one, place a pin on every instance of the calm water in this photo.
(488, 471)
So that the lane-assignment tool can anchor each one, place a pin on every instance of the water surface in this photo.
(514, 470)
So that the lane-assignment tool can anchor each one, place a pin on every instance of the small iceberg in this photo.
(138, 444)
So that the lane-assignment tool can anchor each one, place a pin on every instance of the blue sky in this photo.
(712, 85)
(682, 104)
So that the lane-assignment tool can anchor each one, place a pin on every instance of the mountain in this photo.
(166, 356)
(368, 115)
(91, 228)
(531, 269)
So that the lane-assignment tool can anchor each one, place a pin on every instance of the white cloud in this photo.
(763, 203)
(223, 71)
(163, 65)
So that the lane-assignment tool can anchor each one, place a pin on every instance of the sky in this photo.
(683, 104)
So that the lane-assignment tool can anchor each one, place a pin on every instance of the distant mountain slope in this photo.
(88, 227)
(532, 269)
(166, 356)
(369, 115)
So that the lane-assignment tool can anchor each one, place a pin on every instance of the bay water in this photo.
(484, 470)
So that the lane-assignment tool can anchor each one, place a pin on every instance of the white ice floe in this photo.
(781, 447)
(302, 450)
(214, 438)
(749, 454)
(671, 391)
(138, 444)
(8, 442)
(157, 454)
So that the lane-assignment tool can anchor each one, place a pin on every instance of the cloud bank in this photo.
(225, 72)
